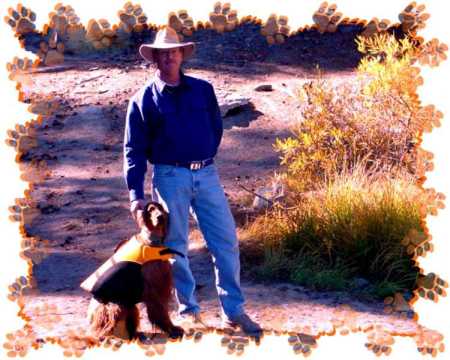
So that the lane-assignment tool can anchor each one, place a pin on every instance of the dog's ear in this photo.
(146, 216)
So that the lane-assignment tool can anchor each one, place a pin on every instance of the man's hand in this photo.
(136, 209)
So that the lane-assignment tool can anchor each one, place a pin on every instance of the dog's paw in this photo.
(431, 287)
(176, 332)
(19, 342)
(375, 26)
(345, 321)
(431, 201)
(22, 140)
(75, 342)
(18, 66)
(379, 341)
(424, 162)
(326, 18)
(413, 17)
(59, 19)
(132, 18)
(302, 343)
(427, 118)
(21, 20)
(182, 23)
(32, 249)
(397, 304)
(235, 344)
(429, 342)
(222, 18)
(276, 29)
(433, 53)
(51, 52)
(68, 26)
(35, 172)
(23, 213)
(100, 34)
(20, 287)
(111, 342)
(44, 108)
(417, 243)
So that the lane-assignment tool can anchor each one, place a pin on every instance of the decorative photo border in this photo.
(100, 35)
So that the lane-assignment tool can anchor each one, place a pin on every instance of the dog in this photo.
(138, 271)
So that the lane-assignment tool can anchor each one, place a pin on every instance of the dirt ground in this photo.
(83, 202)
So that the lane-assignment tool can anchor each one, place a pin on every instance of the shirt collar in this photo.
(161, 84)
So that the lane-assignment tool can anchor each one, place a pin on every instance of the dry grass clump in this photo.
(353, 225)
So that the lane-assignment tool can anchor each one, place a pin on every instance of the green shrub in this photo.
(354, 222)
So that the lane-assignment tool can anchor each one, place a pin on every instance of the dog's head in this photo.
(154, 224)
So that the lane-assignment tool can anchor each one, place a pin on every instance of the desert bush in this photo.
(352, 202)
(375, 118)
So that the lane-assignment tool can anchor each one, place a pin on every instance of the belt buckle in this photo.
(195, 165)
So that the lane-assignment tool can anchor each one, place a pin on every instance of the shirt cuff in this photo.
(136, 195)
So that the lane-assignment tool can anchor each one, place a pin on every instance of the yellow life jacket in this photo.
(133, 251)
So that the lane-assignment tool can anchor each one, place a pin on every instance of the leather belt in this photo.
(195, 165)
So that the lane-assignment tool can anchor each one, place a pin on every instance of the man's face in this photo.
(169, 60)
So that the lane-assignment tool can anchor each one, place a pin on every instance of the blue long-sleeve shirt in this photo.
(168, 125)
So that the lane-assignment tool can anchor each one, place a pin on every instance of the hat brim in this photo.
(146, 50)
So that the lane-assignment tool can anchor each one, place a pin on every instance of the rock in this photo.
(266, 195)
(228, 101)
(264, 87)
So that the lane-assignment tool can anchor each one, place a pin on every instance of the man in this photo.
(174, 123)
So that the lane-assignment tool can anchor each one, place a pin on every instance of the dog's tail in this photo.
(105, 317)
(110, 319)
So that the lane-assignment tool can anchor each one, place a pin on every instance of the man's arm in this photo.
(135, 151)
(216, 118)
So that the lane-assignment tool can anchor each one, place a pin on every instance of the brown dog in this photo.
(139, 271)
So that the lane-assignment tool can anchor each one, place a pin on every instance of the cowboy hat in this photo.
(166, 38)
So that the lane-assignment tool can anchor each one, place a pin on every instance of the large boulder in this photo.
(230, 100)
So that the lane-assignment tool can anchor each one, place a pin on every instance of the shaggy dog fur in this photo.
(121, 320)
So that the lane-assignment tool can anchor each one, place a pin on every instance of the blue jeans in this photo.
(178, 189)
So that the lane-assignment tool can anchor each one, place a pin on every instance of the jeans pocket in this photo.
(210, 169)
(163, 171)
